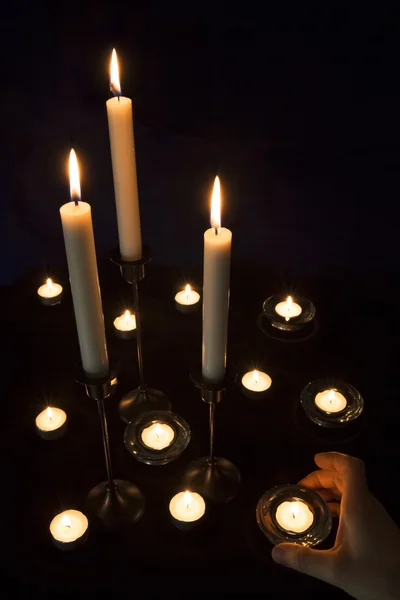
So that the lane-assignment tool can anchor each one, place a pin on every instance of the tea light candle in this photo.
(294, 516)
(51, 423)
(186, 509)
(125, 325)
(187, 300)
(158, 436)
(256, 383)
(69, 529)
(50, 293)
(331, 401)
(288, 309)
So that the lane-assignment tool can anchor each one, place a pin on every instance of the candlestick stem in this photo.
(106, 443)
(135, 288)
(211, 458)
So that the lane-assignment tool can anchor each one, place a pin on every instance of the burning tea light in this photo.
(158, 436)
(294, 516)
(50, 293)
(51, 423)
(256, 383)
(330, 401)
(288, 309)
(187, 300)
(186, 509)
(125, 325)
(69, 529)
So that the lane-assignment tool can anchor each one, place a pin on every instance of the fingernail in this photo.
(279, 555)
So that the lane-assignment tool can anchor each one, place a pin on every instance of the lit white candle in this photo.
(256, 381)
(125, 325)
(50, 293)
(295, 516)
(330, 401)
(158, 436)
(120, 127)
(187, 507)
(187, 300)
(51, 423)
(77, 226)
(69, 529)
(288, 309)
(216, 281)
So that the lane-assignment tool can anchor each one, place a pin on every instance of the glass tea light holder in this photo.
(50, 293)
(187, 301)
(125, 326)
(69, 529)
(187, 510)
(331, 402)
(291, 513)
(288, 313)
(51, 423)
(157, 437)
(255, 384)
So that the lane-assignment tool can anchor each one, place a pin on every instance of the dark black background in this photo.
(297, 110)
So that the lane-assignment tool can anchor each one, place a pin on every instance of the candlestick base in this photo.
(116, 507)
(142, 400)
(217, 480)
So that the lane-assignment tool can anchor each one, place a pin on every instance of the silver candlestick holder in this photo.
(143, 398)
(115, 502)
(214, 477)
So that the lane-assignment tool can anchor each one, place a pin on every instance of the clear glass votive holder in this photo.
(266, 514)
(353, 409)
(283, 323)
(151, 456)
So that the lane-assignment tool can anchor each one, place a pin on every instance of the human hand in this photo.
(365, 560)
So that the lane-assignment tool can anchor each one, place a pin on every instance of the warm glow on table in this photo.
(256, 381)
(295, 516)
(288, 309)
(126, 322)
(187, 507)
(187, 297)
(330, 401)
(158, 436)
(69, 526)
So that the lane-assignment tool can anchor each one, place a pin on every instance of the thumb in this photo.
(317, 563)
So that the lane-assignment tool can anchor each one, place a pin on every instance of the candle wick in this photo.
(76, 201)
(118, 98)
(216, 230)
(294, 516)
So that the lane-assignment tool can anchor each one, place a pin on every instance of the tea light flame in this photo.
(331, 396)
(49, 413)
(187, 499)
(256, 376)
(157, 430)
(187, 290)
(65, 521)
(49, 284)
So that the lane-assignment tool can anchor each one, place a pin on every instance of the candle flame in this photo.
(115, 85)
(187, 498)
(289, 302)
(216, 205)
(295, 509)
(49, 412)
(157, 429)
(127, 314)
(331, 396)
(49, 283)
(114, 381)
(74, 182)
(256, 376)
(65, 521)
(187, 290)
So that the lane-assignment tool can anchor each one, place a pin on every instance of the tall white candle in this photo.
(77, 226)
(120, 127)
(216, 279)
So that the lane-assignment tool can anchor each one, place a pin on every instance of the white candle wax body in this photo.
(288, 310)
(330, 401)
(295, 516)
(120, 126)
(158, 436)
(82, 267)
(187, 507)
(69, 529)
(50, 423)
(216, 280)
(256, 381)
